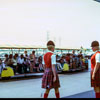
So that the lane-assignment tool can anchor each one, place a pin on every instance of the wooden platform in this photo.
(22, 76)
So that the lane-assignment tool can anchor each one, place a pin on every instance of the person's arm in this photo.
(53, 60)
(97, 65)
(54, 72)
(43, 63)
(44, 66)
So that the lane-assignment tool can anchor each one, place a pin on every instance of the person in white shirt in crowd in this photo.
(26, 61)
(20, 64)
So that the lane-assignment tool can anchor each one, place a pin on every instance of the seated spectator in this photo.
(68, 58)
(26, 65)
(26, 62)
(11, 62)
(40, 63)
(58, 66)
(71, 61)
(36, 68)
(6, 59)
(2, 65)
(74, 62)
(32, 61)
(86, 62)
(80, 63)
(20, 64)
(62, 62)
(83, 61)
(15, 60)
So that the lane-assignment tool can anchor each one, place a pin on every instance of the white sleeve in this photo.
(43, 61)
(53, 59)
(97, 57)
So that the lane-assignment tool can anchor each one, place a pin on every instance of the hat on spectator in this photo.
(94, 44)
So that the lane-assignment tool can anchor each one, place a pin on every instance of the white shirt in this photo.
(97, 57)
(20, 61)
(53, 58)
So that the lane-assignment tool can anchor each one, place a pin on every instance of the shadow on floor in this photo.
(87, 94)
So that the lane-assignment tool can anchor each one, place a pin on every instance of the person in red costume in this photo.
(50, 77)
(95, 68)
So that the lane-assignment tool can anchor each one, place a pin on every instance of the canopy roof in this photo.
(7, 46)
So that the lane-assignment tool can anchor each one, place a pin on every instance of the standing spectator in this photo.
(95, 68)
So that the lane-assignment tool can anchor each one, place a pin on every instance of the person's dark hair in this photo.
(94, 44)
(10, 56)
(33, 52)
(16, 54)
(22, 56)
(6, 55)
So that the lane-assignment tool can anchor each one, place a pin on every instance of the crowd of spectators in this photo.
(74, 61)
(25, 63)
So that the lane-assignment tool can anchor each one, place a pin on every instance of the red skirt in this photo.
(96, 81)
(47, 79)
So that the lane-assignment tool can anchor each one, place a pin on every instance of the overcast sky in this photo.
(70, 23)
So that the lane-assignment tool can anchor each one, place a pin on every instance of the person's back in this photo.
(47, 59)
(50, 77)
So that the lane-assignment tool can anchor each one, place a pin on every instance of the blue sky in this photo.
(70, 23)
